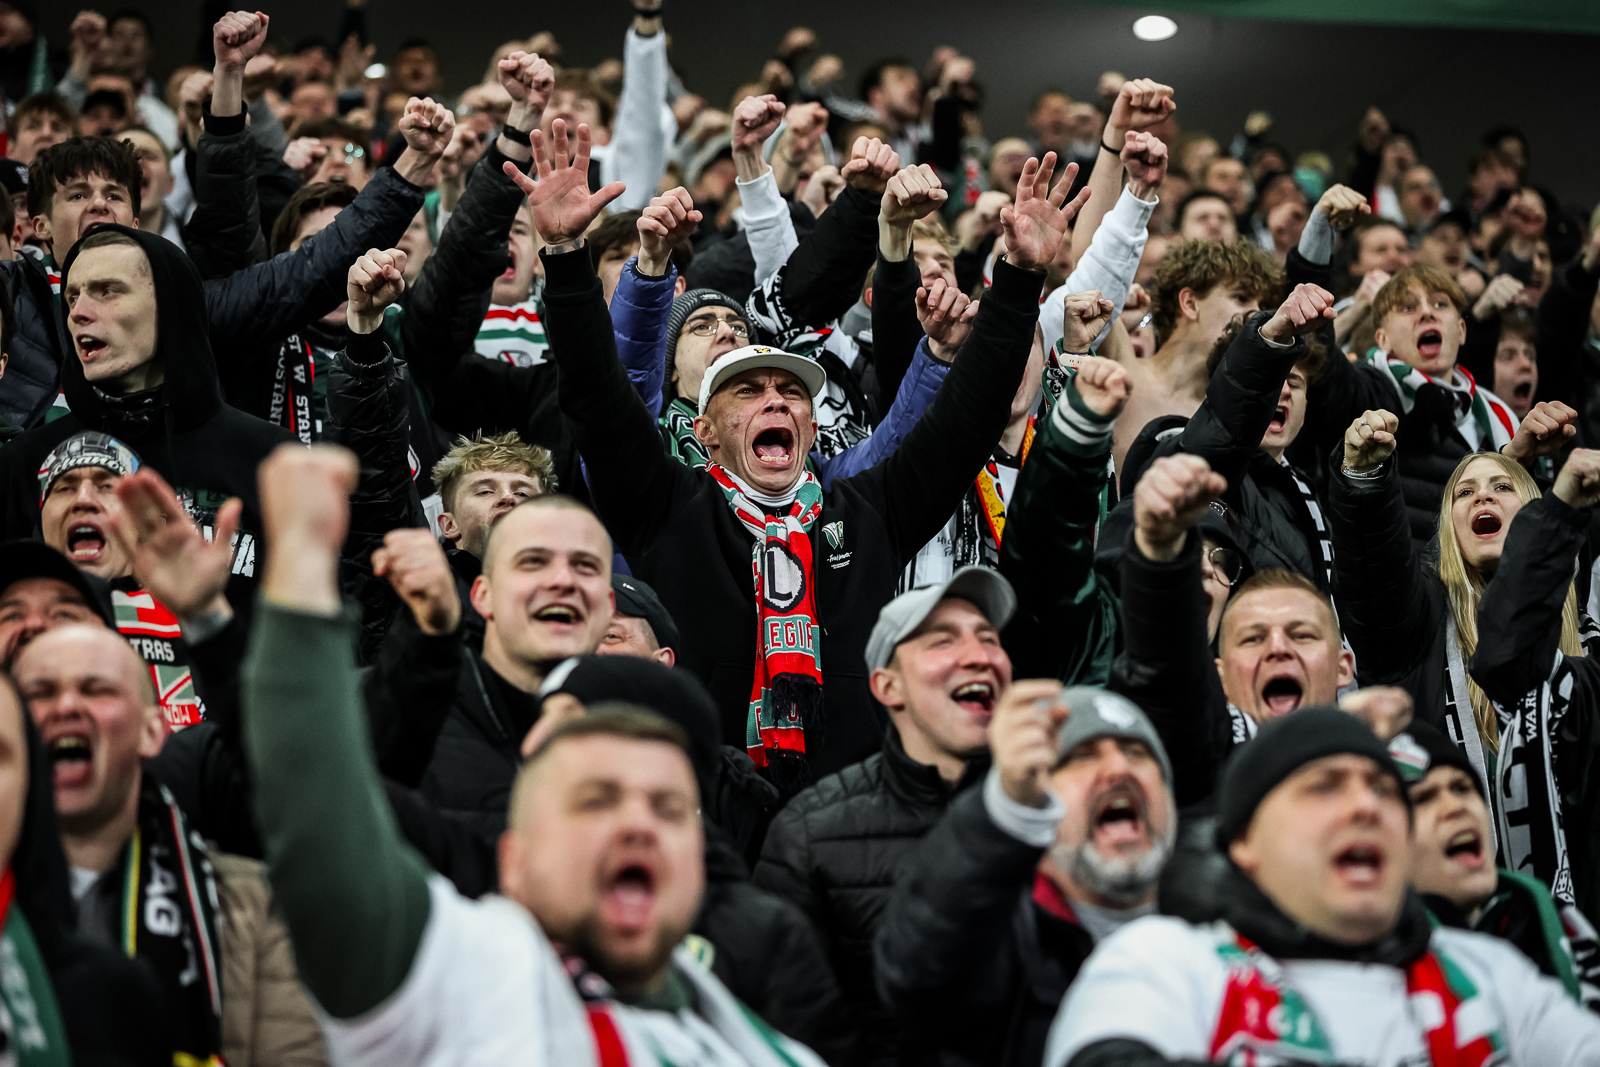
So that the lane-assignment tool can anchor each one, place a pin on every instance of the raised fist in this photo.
(1343, 206)
(1305, 309)
(1546, 430)
(1171, 497)
(1084, 315)
(427, 126)
(1022, 737)
(1370, 440)
(1102, 384)
(754, 120)
(912, 194)
(1144, 155)
(1140, 104)
(872, 163)
(304, 155)
(375, 281)
(1578, 484)
(946, 315)
(415, 566)
(237, 36)
(668, 222)
(527, 78)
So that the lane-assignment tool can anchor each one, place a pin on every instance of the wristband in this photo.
(564, 247)
(516, 136)
(1108, 148)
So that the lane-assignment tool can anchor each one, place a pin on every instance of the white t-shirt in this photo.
(1159, 980)
(487, 989)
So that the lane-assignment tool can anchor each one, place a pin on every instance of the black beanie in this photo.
(1284, 746)
(685, 305)
(1421, 748)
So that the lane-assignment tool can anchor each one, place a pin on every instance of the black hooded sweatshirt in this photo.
(205, 449)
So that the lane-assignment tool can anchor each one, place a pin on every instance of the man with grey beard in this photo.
(1007, 896)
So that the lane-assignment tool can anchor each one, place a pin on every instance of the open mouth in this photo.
(1486, 524)
(1280, 419)
(559, 615)
(1465, 848)
(1282, 696)
(975, 697)
(1429, 344)
(88, 347)
(1118, 818)
(774, 447)
(628, 896)
(1361, 865)
(85, 542)
(1522, 391)
(511, 267)
(70, 757)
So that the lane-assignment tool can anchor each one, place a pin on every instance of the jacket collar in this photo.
(919, 784)
(1249, 911)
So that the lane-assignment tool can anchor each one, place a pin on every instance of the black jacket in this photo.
(678, 533)
(970, 965)
(836, 852)
(1392, 605)
(1276, 528)
(1569, 369)
(205, 449)
(223, 234)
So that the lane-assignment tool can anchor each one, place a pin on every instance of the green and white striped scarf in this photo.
(1495, 422)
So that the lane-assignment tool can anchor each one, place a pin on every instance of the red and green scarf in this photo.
(1263, 1020)
(786, 689)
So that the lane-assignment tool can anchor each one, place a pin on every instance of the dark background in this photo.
(1316, 80)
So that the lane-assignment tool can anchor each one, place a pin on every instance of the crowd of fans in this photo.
(565, 572)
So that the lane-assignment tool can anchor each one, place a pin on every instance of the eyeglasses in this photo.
(707, 327)
(353, 152)
(1225, 564)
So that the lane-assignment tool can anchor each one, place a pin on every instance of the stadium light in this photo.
(1154, 28)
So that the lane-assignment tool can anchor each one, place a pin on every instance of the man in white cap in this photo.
(934, 661)
(775, 584)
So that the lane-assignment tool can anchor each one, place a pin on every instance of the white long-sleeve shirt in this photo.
(1108, 264)
(764, 215)
(637, 152)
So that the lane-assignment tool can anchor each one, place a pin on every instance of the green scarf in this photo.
(34, 1032)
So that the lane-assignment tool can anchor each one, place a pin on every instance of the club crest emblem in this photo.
(834, 532)
(783, 581)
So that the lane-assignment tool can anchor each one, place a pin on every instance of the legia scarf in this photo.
(786, 687)
(1265, 1020)
(1495, 422)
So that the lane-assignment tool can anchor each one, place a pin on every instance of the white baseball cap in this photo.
(809, 371)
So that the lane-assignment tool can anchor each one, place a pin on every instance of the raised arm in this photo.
(1564, 316)
(769, 230)
(1384, 607)
(293, 288)
(642, 300)
(1519, 617)
(1066, 625)
(918, 387)
(1140, 104)
(822, 279)
(354, 896)
(639, 146)
(912, 194)
(631, 479)
(1243, 393)
(926, 477)
(446, 307)
(1166, 666)
(223, 234)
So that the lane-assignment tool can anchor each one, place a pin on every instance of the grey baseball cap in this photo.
(1097, 713)
(985, 589)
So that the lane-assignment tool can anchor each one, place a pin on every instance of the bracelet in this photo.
(516, 136)
(564, 247)
(1108, 148)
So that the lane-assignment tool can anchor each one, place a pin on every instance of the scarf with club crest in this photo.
(1495, 423)
(786, 687)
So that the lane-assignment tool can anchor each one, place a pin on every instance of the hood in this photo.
(43, 891)
(190, 396)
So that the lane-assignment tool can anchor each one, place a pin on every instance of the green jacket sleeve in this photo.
(1067, 619)
(354, 896)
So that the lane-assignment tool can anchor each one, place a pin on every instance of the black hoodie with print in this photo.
(205, 449)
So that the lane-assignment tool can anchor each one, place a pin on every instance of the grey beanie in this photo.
(685, 305)
(1097, 713)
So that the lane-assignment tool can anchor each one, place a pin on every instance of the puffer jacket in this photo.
(267, 1019)
(836, 850)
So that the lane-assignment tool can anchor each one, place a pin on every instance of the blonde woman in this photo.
(1415, 622)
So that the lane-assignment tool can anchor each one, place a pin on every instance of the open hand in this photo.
(171, 557)
(1038, 220)
(562, 205)
(415, 566)
(946, 315)
(1171, 497)
(1370, 440)
(1102, 384)
(375, 281)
